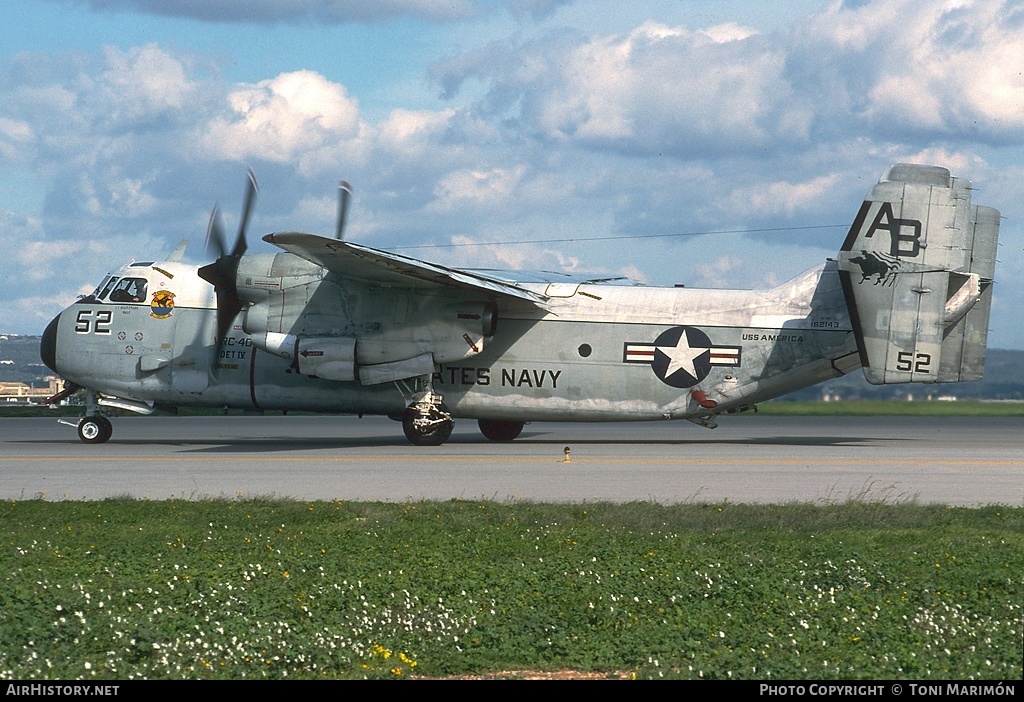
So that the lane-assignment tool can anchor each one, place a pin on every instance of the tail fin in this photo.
(917, 269)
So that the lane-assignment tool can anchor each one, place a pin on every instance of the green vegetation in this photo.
(271, 589)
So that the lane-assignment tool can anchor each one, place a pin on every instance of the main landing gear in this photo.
(427, 420)
(500, 430)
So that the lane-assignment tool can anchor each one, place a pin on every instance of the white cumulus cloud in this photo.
(282, 119)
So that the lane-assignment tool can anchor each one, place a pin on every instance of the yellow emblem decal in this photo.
(162, 304)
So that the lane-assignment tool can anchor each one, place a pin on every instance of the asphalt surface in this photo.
(962, 462)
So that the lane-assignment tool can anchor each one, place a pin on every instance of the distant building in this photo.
(24, 393)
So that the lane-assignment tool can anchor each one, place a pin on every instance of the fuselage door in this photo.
(190, 365)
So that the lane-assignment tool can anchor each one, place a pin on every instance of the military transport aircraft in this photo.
(333, 326)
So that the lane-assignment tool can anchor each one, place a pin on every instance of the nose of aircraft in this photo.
(48, 346)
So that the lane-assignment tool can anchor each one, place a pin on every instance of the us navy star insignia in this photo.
(682, 356)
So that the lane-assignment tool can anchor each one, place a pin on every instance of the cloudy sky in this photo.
(724, 144)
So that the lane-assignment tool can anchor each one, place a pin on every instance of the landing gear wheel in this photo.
(429, 425)
(95, 430)
(499, 429)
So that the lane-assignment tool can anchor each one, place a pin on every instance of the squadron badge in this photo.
(162, 304)
(682, 356)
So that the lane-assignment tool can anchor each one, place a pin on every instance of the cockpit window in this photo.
(104, 289)
(129, 290)
(95, 294)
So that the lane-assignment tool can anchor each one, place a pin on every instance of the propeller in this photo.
(222, 272)
(344, 195)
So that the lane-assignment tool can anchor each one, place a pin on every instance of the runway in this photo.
(954, 461)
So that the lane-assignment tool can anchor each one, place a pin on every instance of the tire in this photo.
(500, 430)
(434, 436)
(95, 430)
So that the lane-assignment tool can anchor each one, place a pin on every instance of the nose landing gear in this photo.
(95, 429)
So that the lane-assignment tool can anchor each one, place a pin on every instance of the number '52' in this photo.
(84, 322)
(916, 362)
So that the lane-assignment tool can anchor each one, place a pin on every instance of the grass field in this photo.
(124, 589)
(959, 408)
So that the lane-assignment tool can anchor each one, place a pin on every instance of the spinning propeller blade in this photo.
(221, 273)
(215, 234)
(344, 195)
(251, 191)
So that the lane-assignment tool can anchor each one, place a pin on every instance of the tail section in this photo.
(917, 269)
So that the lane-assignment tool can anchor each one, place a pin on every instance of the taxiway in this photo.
(955, 461)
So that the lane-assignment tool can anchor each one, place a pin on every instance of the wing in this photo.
(549, 277)
(384, 268)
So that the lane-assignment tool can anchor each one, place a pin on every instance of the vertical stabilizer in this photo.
(917, 268)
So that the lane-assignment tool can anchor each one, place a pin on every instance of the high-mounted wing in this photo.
(384, 268)
(513, 277)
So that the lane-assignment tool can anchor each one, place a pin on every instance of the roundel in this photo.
(682, 356)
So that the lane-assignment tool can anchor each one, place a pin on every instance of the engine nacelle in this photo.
(279, 324)
(282, 345)
(333, 358)
(254, 278)
(477, 318)
(457, 333)
(260, 276)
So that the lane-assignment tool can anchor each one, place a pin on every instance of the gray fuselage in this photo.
(589, 352)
